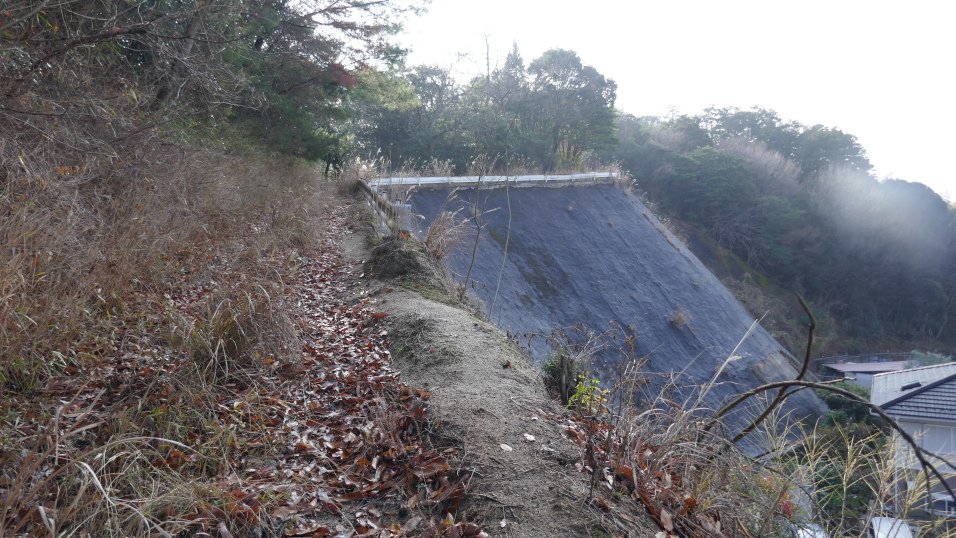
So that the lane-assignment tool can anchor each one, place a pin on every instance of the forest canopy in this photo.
(551, 114)
(279, 68)
(800, 204)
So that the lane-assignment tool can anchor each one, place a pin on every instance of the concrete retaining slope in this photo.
(596, 256)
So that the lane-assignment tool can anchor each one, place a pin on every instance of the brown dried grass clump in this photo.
(658, 457)
(139, 284)
(688, 464)
(680, 319)
(77, 242)
(447, 231)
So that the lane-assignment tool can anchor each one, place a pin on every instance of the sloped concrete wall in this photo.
(597, 256)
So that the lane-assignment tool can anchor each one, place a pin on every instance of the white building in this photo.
(923, 402)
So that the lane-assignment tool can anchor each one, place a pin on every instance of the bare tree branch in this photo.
(922, 455)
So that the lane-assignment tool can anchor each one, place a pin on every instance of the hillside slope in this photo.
(596, 256)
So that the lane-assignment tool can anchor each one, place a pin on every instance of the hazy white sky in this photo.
(882, 71)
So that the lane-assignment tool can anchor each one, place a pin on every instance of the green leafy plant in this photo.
(588, 396)
(845, 411)
(919, 358)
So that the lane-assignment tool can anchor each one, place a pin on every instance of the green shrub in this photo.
(919, 358)
(845, 411)
(561, 374)
(588, 396)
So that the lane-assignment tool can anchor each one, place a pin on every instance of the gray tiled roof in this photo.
(888, 386)
(935, 401)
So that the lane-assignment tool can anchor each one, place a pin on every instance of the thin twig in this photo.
(783, 394)
(921, 454)
(474, 251)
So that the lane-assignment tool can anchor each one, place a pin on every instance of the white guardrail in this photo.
(490, 180)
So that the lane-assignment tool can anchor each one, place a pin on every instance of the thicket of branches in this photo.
(86, 75)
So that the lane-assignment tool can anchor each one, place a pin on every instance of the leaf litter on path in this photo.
(325, 441)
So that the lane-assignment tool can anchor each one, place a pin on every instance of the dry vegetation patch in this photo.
(180, 357)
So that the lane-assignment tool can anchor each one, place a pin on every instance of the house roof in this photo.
(868, 367)
(888, 386)
(935, 400)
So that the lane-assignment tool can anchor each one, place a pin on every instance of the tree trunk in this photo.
(178, 71)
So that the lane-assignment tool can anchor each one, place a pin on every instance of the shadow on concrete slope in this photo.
(597, 256)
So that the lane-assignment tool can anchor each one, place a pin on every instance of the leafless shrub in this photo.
(739, 233)
(672, 139)
(446, 232)
(664, 171)
(773, 173)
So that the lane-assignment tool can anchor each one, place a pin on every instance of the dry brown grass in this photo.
(447, 231)
(138, 285)
(681, 461)
(659, 455)
(680, 319)
(72, 252)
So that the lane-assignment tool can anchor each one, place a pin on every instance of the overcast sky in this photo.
(881, 71)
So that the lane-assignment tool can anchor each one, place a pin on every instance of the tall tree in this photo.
(381, 109)
(572, 109)
(818, 148)
(685, 133)
(754, 125)
(709, 185)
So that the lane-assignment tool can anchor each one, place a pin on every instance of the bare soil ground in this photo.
(489, 401)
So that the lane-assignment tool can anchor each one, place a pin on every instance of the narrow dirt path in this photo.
(489, 401)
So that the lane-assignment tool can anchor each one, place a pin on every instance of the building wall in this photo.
(910, 480)
(937, 438)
